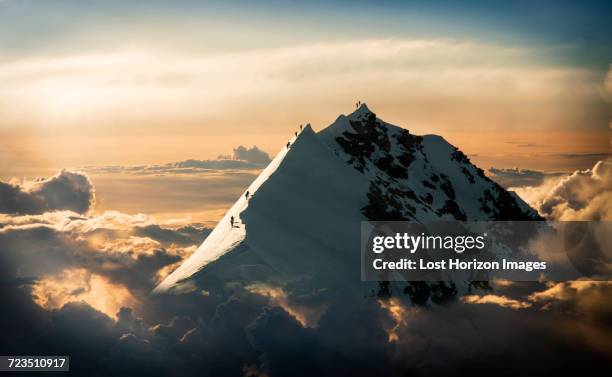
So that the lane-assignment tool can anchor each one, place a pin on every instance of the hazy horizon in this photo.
(90, 83)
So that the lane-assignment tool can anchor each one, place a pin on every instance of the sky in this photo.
(127, 128)
(113, 83)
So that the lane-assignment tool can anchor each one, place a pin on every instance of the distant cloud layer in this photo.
(67, 190)
(520, 177)
(242, 159)
(582, 195)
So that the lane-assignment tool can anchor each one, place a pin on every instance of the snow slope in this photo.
(297, 219)
(302, 222)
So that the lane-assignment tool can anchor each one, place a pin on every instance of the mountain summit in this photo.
(301, 221)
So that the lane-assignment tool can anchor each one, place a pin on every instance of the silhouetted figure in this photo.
(246, 195)
(232, 221)
(356, 104)
(288, 144)
(300, 127)
(295, 133)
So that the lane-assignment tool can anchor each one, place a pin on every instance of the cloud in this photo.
(477, 84)
(306, 315)
(587, 300)
(399, 312)
(602, 155)
(253, 154)
(520, 177)
(242, 159)
(181, 167)
(108, 261)
(79, 285)
(496, 300)
(582, 195)
(66, 190)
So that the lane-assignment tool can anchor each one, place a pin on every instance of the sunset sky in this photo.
(129, 128)
(105, 82)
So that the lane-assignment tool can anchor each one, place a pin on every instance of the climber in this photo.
(300, 127)
(288, 144)
(295, 133)
(246, 195)
(232, 221)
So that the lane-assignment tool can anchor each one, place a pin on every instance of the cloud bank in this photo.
(67, 190)
(582, 195)
(243, 158)
(79, 285)
(253, 155)
(520, 177)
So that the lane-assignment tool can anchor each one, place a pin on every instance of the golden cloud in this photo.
(307, 316)
(502, 301)
(79, 284)
(399, 313)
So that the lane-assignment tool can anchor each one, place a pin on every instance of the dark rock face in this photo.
(420, 177)
(371, 136)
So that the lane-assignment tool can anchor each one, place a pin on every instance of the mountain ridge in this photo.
(302, 219)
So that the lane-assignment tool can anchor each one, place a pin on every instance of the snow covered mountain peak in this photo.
(343, 123)
(301, 217)
(362, 111)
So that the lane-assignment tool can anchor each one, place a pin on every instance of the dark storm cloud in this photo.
(481, 339)
(456, 339)
(242, 333)
(65, 191)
